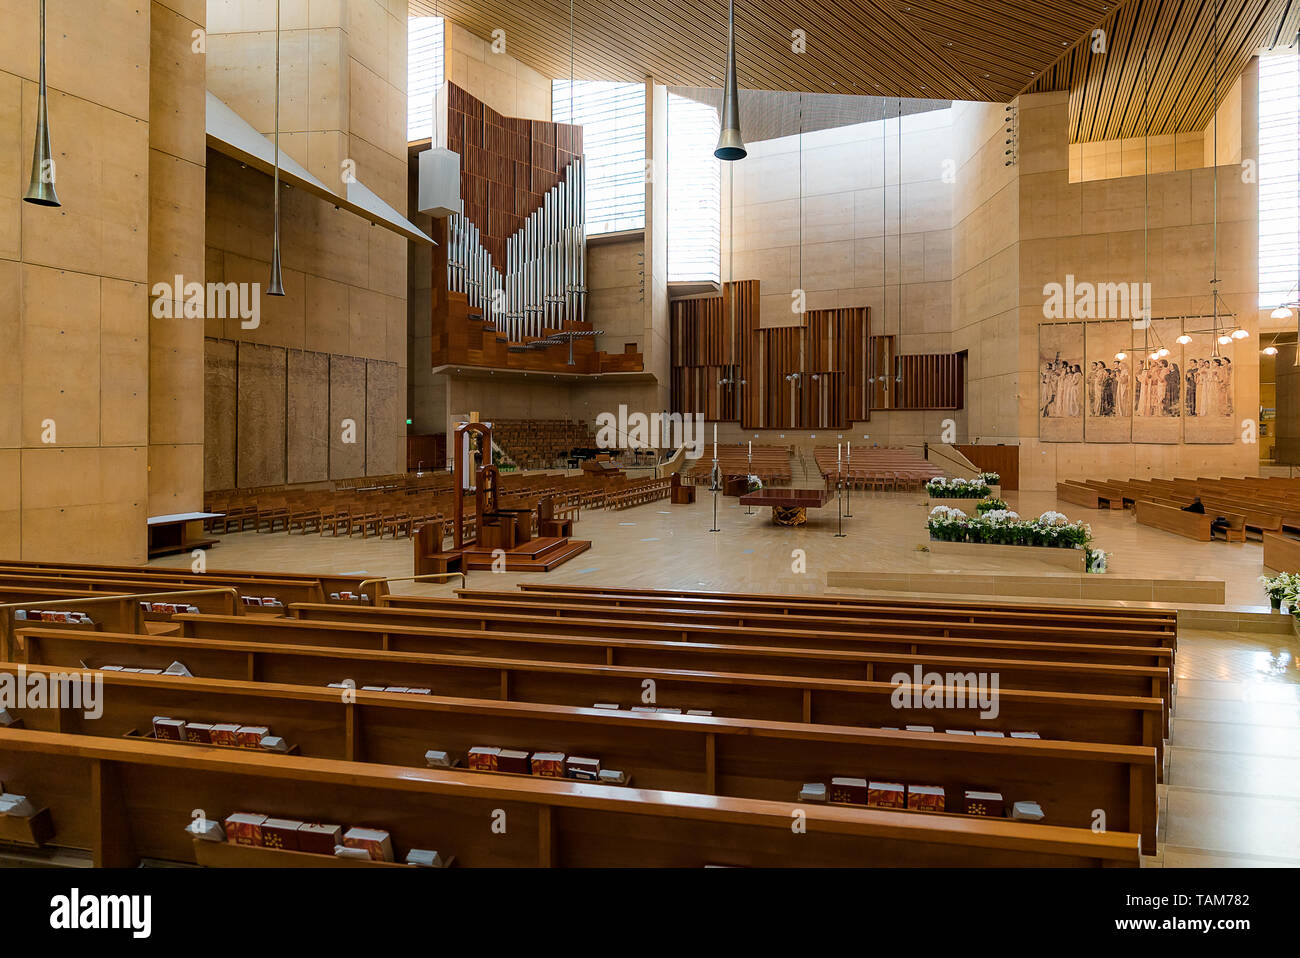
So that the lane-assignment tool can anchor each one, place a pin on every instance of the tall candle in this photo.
(715, 440)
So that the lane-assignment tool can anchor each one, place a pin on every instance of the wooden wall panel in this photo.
(1004, 460)
(824, 374)
(260, 445)
(347, 402)
(307, 416)
(220, 375)
(381, 419)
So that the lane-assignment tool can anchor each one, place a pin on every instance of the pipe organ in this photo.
(542, 285)
(509, 271)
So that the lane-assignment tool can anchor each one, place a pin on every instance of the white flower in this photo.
(940, 511)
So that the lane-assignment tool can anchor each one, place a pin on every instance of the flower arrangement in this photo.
(990, 478)
(1004, 527)
(1285, 586)
(941, 488)
(990, 504)
(753, 483)
(1095, 561)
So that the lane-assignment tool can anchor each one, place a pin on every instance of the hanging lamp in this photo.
(40, 190)
(276, 287)
(731, 145)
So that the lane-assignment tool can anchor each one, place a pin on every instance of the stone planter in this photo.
(1072, 559)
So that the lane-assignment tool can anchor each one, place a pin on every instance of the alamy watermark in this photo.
(182, 300)
(640, 430)
(1085, 300)
(21, 689)
(946, 690)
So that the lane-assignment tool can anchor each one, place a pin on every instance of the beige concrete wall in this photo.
(853, 254)
(986, 218)
(498, 79)
(343, 110)
(657, 336)
(1096, 230)
(177, 160)
(74, 343)
(616, 276)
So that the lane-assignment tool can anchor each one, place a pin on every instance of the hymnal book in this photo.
(250, 736)
(198, 732)
(420, 691)
(281, 833)
(16, 805)
(6, 718)
(813, 792)
(244, 828)
(512, 760)
(424, 858)
(1027, 812)
(169, 729)
(708, 712)
(397, 688)
(345, 851)
(612, 776)
(226, 733)
(206, 829)
(586, 769)
(176, 668)
(886, 795)
(1024, 735)
(925, 798)
(991, 734)
(606, 705)
(548, 764)
(988, 804)
(273, 743)
(318, 838)
(435, 758)
(483, 758)
(373, 688)
(373, 840)
(670, 711)
(643, 708)
(957, 731)
(920, 728)
(848, 791)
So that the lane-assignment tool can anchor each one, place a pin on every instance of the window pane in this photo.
(612, 117)
(694, 192)
(1279, 255)
(423, 74)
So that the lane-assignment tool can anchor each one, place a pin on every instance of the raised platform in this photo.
(541, 554)
(1071, 559)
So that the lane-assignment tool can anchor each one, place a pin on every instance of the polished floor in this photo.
(1232, 792)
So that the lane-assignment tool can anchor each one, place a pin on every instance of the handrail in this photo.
(464, 580)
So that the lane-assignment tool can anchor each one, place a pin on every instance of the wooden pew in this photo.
(884, 641)
(1111, 719)
(687, 629)
(707, 755)
(799, 618)
(1170, 518)
(1019, 673)
(124, 801)
(1281, 553)
(1081, 495)
(982, 610)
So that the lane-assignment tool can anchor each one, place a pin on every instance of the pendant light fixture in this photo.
(731, 145)
(40, 190)
(276, 287)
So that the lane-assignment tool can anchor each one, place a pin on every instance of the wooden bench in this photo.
(1020, 673)
(795, 615)
(1002, 610)
(1116, 720)
(1081, 495)
(123, 801)
(681, 753)
(1281, 553)
(689, 629)
(1191, 525)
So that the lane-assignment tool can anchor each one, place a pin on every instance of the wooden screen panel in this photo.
(307, 416)
(261, 415)
(220, 374)
(929, 381)
(1004, 460)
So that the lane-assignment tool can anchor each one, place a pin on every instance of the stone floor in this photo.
(1233, 784)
